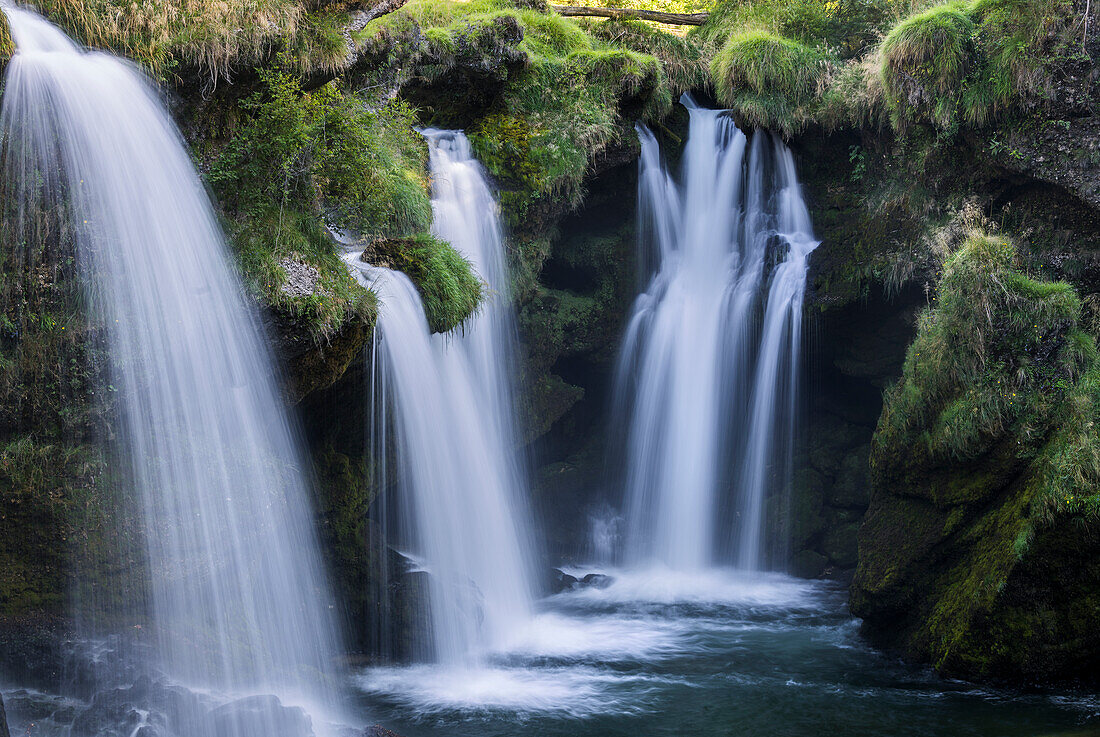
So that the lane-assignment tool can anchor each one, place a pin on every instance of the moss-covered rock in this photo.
(542, 97)
(66, 531)
(986, 454)
(449, 288)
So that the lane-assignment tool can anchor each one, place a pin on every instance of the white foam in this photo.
(554, 635)
(573, 692)
(723, 587)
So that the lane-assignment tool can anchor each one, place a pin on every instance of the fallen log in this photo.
(675, 19)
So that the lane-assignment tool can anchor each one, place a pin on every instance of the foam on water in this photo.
(717, 586)
(567, 691)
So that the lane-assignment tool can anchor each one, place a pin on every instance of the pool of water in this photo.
(715, 654)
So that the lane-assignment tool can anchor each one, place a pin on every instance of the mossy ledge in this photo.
(985, 468)
(792, 64)
(448, 286)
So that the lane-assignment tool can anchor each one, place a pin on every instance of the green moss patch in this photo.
(770, 80)
(448, 286)
(786, 64)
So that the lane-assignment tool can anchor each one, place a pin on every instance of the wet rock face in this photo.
(4, 732)
(153, 709)
(858, 349)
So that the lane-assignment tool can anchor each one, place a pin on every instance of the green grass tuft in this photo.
(770, 80)
(448, 286)
(575, 90)
(969, 63)
(996, 352)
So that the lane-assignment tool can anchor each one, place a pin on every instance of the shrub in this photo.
(449, 289)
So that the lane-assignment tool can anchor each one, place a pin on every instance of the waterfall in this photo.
(705, 387)
(452, 412)
(239, 598)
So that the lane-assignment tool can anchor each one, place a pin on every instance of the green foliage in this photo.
(847, 27)
(770, 80)
(367, 165)
(300, 160)
(994, 354)
(925, 60)
(786, 64)
(211, 36)
(567, 93)
(682, 59)
(7, 46)
(448, 286)
(162, 33)
(968, 63)
(986, 465)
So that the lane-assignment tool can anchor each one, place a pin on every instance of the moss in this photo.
(850, 26)
(448, 286)
(7, 46)
(65, 528)
(555, 94)
(993, 353)
(770, 80)
(925, 60)
(961, 64)
(985, 448)
(969, 63)
(683, 62)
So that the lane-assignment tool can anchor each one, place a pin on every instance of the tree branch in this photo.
(675, 19)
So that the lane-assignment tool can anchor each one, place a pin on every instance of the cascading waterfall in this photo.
(702, 380)
(452, 414)
(239, 599)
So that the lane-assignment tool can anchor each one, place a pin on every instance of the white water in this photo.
(706, 387)
(452, 411)
(239, 600)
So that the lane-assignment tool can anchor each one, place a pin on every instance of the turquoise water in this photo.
(658, 654)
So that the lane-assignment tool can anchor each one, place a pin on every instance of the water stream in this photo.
(240, 603)
(451, 406)
(707, 379)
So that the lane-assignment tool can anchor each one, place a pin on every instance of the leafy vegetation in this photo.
(300, 160)
(563, 90)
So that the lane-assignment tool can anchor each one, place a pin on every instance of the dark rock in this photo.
(852, 487)
(560, 581)
(808, 564)
(377, 731)
(260, 716)
(597, 580)
(841, 545)
(162, 708)
(4, 732)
